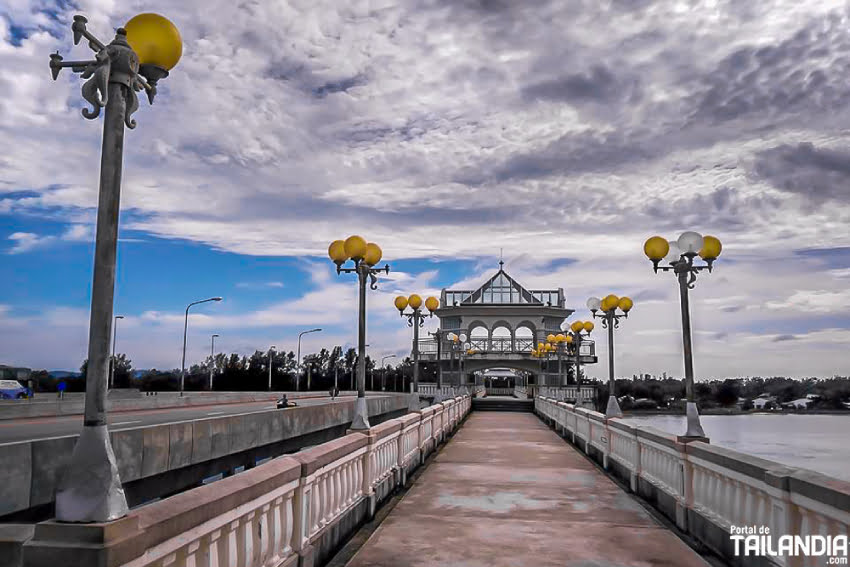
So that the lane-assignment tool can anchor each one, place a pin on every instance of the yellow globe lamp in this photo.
(432, 303)
(656, 248)
(560, 337)
(577, 326)
(540, 346)
(550, 338)
(157, 43)
(400, 302)
(625, 304)
(533, 352)
(414, 301)
(588, 326)
(711, 248)
(355, 247)
(373, 254)
(610, 302)
(569, 339)
(336, 252)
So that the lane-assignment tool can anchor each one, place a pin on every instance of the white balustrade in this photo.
(725, 487)
(308, 492)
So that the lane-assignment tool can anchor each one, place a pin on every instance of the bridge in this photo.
(452, 484)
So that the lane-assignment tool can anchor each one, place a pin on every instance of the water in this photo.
(815, 442)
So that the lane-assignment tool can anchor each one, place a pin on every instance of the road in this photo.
(46, 427)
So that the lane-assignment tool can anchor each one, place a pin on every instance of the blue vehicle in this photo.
(13, 390)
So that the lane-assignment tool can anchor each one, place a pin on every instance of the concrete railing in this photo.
(29, 470)
(48, 405)
(704, 489)
(499, 391)
(293, 510)
(584, 395)
(520, 392)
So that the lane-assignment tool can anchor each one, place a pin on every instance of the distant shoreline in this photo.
(728, 411)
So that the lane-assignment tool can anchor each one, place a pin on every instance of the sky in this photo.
(563, 133)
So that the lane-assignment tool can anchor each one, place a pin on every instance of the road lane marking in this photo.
(215, 413)
(127, 422)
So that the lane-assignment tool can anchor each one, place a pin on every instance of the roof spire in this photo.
(501, 258)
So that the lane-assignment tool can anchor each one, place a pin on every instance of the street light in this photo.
(271, 361)
(112, 360)
(384, 371)
(364, 256)
(415, 319)
(212, 359)
(575, 337)
(611, 320)
(142, 52)
(557, 344)
(298, 356)
(680, 255)
(457, 344)
(185, 329)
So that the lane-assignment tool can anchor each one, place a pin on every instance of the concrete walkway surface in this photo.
(507, 491)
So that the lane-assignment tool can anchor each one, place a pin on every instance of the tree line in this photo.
(831, 392)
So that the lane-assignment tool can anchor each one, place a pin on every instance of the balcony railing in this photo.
(499, 345)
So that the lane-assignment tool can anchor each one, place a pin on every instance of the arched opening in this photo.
(501, 341)
(479, 338)
(524, 339)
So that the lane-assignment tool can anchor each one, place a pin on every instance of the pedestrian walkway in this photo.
(507, 491)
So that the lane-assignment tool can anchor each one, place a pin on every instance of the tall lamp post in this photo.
(142, 52)
(112, 358)
(298, 356)
(212, 359)
(185, 331)
(680, 255)
(611, 320)
(384, 371)
(271, 362)
(364, 256)
(575, 337)
(416, 319)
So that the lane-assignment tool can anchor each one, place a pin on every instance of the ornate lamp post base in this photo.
(613, 409)
(694, 426)
(90, 488)
(413, 402)
(361, 415)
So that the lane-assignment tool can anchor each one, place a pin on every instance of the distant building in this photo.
(800, 403)
(764, 401)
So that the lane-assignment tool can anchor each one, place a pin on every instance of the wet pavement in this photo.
(507, 491)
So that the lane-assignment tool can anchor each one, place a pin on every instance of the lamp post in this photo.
(680, 256)
(271, 362)
(298, 356)
(416, 319)
(142, 52)
(364, 256)
(384, 371)
(611, 320)
(457, 344)
(438, 337)
(112, 358)
(185, 329)
(575, 337)
(212, 359)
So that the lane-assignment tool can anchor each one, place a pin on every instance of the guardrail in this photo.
(499, 391)
(290, 511)
(706, 490)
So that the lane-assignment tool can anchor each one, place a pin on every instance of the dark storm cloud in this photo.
(783, 338)
(597, 85)
(819, 174)
(569, 154)
(809, 72)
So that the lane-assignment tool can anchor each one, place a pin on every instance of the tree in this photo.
(122, 371)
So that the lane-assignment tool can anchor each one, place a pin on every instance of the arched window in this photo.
(479, 338)
(501, 341)
(524, 339)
